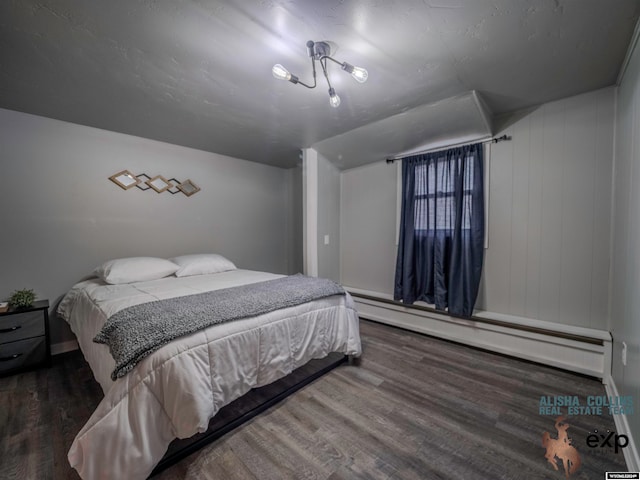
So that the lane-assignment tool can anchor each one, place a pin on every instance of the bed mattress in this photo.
(174, 392)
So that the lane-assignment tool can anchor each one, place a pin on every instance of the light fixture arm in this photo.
(334, 60)
(323, 64)
(313, 66)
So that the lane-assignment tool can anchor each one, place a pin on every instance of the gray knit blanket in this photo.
(137, 331)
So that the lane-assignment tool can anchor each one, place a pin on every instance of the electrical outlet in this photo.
(624, 354)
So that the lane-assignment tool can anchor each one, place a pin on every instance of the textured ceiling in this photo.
(198, 73)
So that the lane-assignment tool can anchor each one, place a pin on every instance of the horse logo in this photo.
(561, 448)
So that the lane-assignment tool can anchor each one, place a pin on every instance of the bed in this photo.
(174, 391)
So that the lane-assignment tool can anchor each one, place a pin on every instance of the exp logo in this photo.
(609, 439)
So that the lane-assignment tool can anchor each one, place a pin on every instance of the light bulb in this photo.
(280, 72)
(334, 99)
(360, 74)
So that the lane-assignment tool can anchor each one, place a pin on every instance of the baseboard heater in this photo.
(577, 349)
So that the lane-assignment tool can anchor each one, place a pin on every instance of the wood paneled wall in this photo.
(549, 216)
(549, 213)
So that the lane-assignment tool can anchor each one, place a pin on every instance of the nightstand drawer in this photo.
(21, 325)
(22, 354)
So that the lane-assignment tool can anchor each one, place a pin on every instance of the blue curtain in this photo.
(441, 243)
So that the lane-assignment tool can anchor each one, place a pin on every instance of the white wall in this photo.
(321, 195)
(368, 227)
(549, 216)
(328, 219)
(61, 216)
(625, 271)
(294, 224)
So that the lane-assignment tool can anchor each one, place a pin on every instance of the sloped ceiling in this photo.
(198, 73)
(456, 119)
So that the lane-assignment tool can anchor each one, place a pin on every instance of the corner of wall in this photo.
(631, 456)
(629, 54)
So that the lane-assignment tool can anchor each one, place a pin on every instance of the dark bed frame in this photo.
(248, 406)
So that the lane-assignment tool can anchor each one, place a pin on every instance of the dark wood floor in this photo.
(414, 408)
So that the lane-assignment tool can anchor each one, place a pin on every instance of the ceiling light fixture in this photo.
(321, 52)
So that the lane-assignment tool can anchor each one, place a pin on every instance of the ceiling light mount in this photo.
(318, 50)
(321, 52)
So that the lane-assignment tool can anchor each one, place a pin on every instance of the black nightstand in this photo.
(24, 338)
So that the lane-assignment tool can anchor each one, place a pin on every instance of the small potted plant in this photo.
(22, 298)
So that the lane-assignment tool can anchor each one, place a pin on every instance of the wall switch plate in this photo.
(624, 354)
(326, 239)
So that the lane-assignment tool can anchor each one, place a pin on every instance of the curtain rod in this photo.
(439, 149)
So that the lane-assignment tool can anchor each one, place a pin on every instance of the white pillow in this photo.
(202, 264)
(135, 269)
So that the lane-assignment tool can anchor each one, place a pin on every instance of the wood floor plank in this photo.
(414, 407)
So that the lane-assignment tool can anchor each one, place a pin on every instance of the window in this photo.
(435, 195)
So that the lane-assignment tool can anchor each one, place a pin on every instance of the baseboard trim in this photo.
(575, 349)
(631, 456)
(64, 347)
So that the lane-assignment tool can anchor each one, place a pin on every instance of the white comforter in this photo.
(174, 392)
